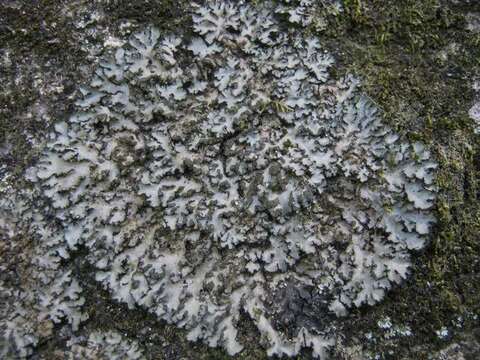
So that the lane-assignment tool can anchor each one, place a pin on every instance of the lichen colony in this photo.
(222, 175)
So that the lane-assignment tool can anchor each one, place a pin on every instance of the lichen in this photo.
(47, 294)
(474, 111)
(216, 174)
(99, 345)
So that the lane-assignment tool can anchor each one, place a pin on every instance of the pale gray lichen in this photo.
(307, 12)
(226, 172)
(474, 111)
(99, 345)
(301, 13)
(46, 293)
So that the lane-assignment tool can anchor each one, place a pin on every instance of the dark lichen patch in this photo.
(295, 306)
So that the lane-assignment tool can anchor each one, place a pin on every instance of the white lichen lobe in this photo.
(474, 111)
(227, 173)
(99, 345)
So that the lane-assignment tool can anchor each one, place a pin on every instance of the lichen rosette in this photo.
(224, 172)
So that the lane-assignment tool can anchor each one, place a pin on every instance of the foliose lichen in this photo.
(474, 111)
(100, 345)
(227, 173)
(47, 293)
